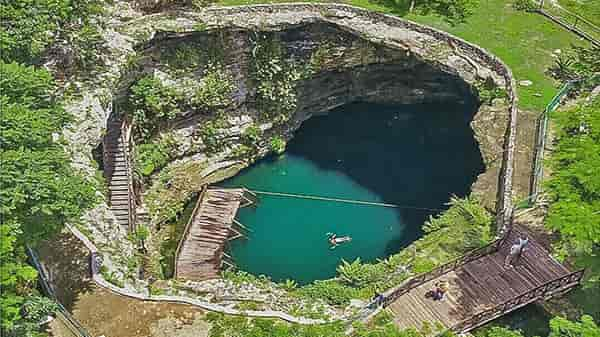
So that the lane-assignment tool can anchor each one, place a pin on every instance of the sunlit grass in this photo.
(524, 41)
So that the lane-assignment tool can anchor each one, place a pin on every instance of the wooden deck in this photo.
(200, 252)
(483, 289)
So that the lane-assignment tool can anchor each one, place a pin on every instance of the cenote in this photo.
(415, 156)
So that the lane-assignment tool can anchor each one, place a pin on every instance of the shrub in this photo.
(150, 157)
(252, 135)
(153, 103)
(276, 79)
(488, 91)
(525, 5)
(277, 145)
(211, 136)
(329, 290)
(215, 90)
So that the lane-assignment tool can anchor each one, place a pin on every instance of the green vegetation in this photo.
(524, 41)
(562, 327)
(488, 91)
(215, 90)
(29, 27)
(39, 189)
(525, 5)
(152, 103)
(211, 135)
(174, 233)
(150, 157)
(182, 57)
(275, 79)
(578, 63)
(589, 9)
(277, 145)
(466, 225)
(574, 185)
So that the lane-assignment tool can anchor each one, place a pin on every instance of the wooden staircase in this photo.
(118, 175)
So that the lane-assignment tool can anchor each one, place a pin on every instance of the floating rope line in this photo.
(348, 201)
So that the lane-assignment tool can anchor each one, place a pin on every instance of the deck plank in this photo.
(478, 285)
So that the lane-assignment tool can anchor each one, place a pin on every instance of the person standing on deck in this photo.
(516, 250)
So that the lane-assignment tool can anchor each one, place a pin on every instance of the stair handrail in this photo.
(186, 230)
(546, 289)
(392, 294)
(62, 313)
(131, 198)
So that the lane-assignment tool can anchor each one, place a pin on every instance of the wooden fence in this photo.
(570, 21)
(392, 294)
(62, 313)
(545, 291)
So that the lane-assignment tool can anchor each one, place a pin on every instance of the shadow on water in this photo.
(414, 155)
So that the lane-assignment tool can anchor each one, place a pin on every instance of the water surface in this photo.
(413, 156)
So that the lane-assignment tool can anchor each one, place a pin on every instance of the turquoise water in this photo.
(415, 156)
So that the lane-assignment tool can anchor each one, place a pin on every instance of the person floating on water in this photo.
(334, 240)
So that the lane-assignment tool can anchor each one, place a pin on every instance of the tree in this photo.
(39, 189)
(574, 186)
(562, 327)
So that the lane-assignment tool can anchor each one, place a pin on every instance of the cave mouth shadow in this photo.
(413, 155)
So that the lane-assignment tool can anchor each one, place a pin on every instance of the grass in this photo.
(588, 9)
(524, 41)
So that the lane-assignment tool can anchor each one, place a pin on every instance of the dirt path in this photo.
(103, 313)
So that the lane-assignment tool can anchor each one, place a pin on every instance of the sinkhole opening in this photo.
(413, 156)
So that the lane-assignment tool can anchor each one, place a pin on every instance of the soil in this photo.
(104, 313)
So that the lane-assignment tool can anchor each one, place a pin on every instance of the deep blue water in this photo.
(413, 156)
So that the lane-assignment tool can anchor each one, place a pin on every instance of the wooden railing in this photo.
(131, 200)
(187, 228)
(544, 291)
(570, 21)
(392, 294)
(62, 313)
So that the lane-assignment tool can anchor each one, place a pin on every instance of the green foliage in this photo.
(360, 275)
(331, 291)
(578, 63)
(236, 326)
(562, 327)
(182, 57)
(465, 219)
(451, 11)
(215, 90)
(28, 27)
(35, 310)
(39, 188)
(498, 332)
(525, 5)
(168, 246)
(153, 103)
(289, 285)
(15, 275)
(454, 11)
(275, 79)
(466, 225)
(252, 135)
(589, 9)
(211, 136)
(488, 91)
(574, 186)
(277, 145)
(150, 157)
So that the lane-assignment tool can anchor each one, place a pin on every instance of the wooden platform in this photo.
(200, 252)
(484, 289)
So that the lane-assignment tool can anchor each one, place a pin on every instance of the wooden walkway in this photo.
(200, 252)
(482, 289)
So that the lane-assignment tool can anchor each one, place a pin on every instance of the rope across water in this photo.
(348, 201)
